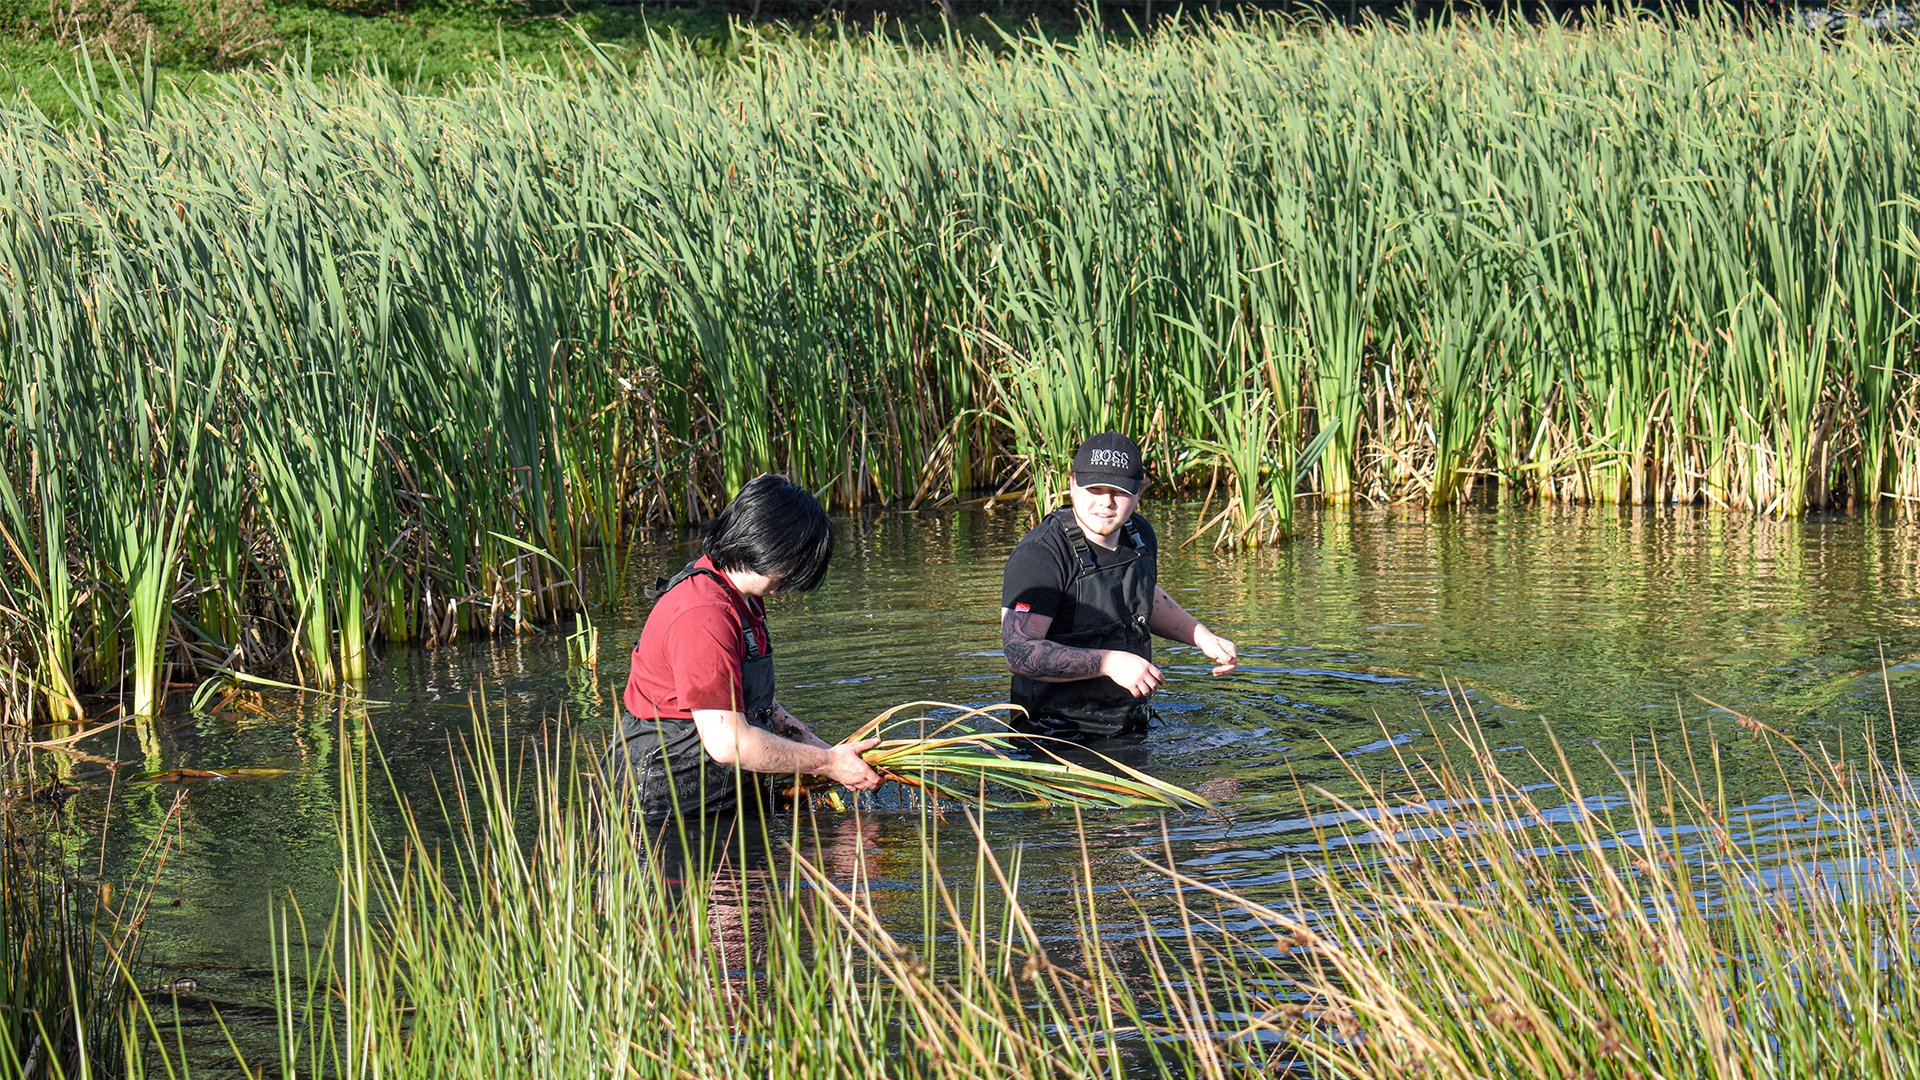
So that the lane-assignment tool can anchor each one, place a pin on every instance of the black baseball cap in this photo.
(1109, 459)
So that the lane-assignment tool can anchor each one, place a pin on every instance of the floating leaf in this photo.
(181, 776)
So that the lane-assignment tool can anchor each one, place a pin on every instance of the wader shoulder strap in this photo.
(1075, 539)
(1078, 539)
(755, 647)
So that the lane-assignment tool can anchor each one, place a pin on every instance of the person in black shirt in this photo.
(1081, 601)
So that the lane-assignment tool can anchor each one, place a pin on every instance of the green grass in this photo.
(426, 47)
(1508, 919)
(441, 45)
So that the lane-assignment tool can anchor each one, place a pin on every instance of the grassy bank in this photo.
(298, 364)
(436, 46)
(1458, 914)
(424, 47)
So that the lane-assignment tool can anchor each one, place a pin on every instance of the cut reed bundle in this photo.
(946, 762)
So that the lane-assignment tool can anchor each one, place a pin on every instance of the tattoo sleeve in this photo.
(1037, 658)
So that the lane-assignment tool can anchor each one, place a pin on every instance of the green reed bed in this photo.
(1487, 917)
(1462, 915)
(527, 926)
(299, 365)
(69, 939)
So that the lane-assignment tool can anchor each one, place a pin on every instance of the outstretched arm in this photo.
(1171, 621)
(730, 740)
(1023, 636)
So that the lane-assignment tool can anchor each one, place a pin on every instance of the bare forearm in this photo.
(730, 740)
(1170, 620)
(764, 752)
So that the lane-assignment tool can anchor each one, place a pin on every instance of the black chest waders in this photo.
(1112, 609)
(663, 761)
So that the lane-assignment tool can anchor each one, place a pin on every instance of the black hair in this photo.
(773, 527)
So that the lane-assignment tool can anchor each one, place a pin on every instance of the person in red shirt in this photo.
(700, 712)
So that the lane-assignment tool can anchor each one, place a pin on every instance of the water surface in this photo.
(1609, 630)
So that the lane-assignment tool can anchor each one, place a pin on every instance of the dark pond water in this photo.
(1606, 626)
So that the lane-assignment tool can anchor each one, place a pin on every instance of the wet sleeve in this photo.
(706, 654)
(1034, 577)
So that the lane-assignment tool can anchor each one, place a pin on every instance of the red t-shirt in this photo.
(690, 650)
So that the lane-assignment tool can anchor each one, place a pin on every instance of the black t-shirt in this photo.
(1043, 564)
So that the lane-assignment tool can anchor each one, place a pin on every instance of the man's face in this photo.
(1100, 509)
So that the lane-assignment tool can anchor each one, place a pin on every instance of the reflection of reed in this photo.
(70, 937)
(1595, 612)
(736, 878)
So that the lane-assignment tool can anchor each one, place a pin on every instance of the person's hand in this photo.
(1136, 676)
(845, 765)
(1222, 652)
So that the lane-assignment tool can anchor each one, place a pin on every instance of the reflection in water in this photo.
(738, 861)
(1360, 641)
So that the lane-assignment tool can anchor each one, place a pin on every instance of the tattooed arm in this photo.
(1023, 636)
